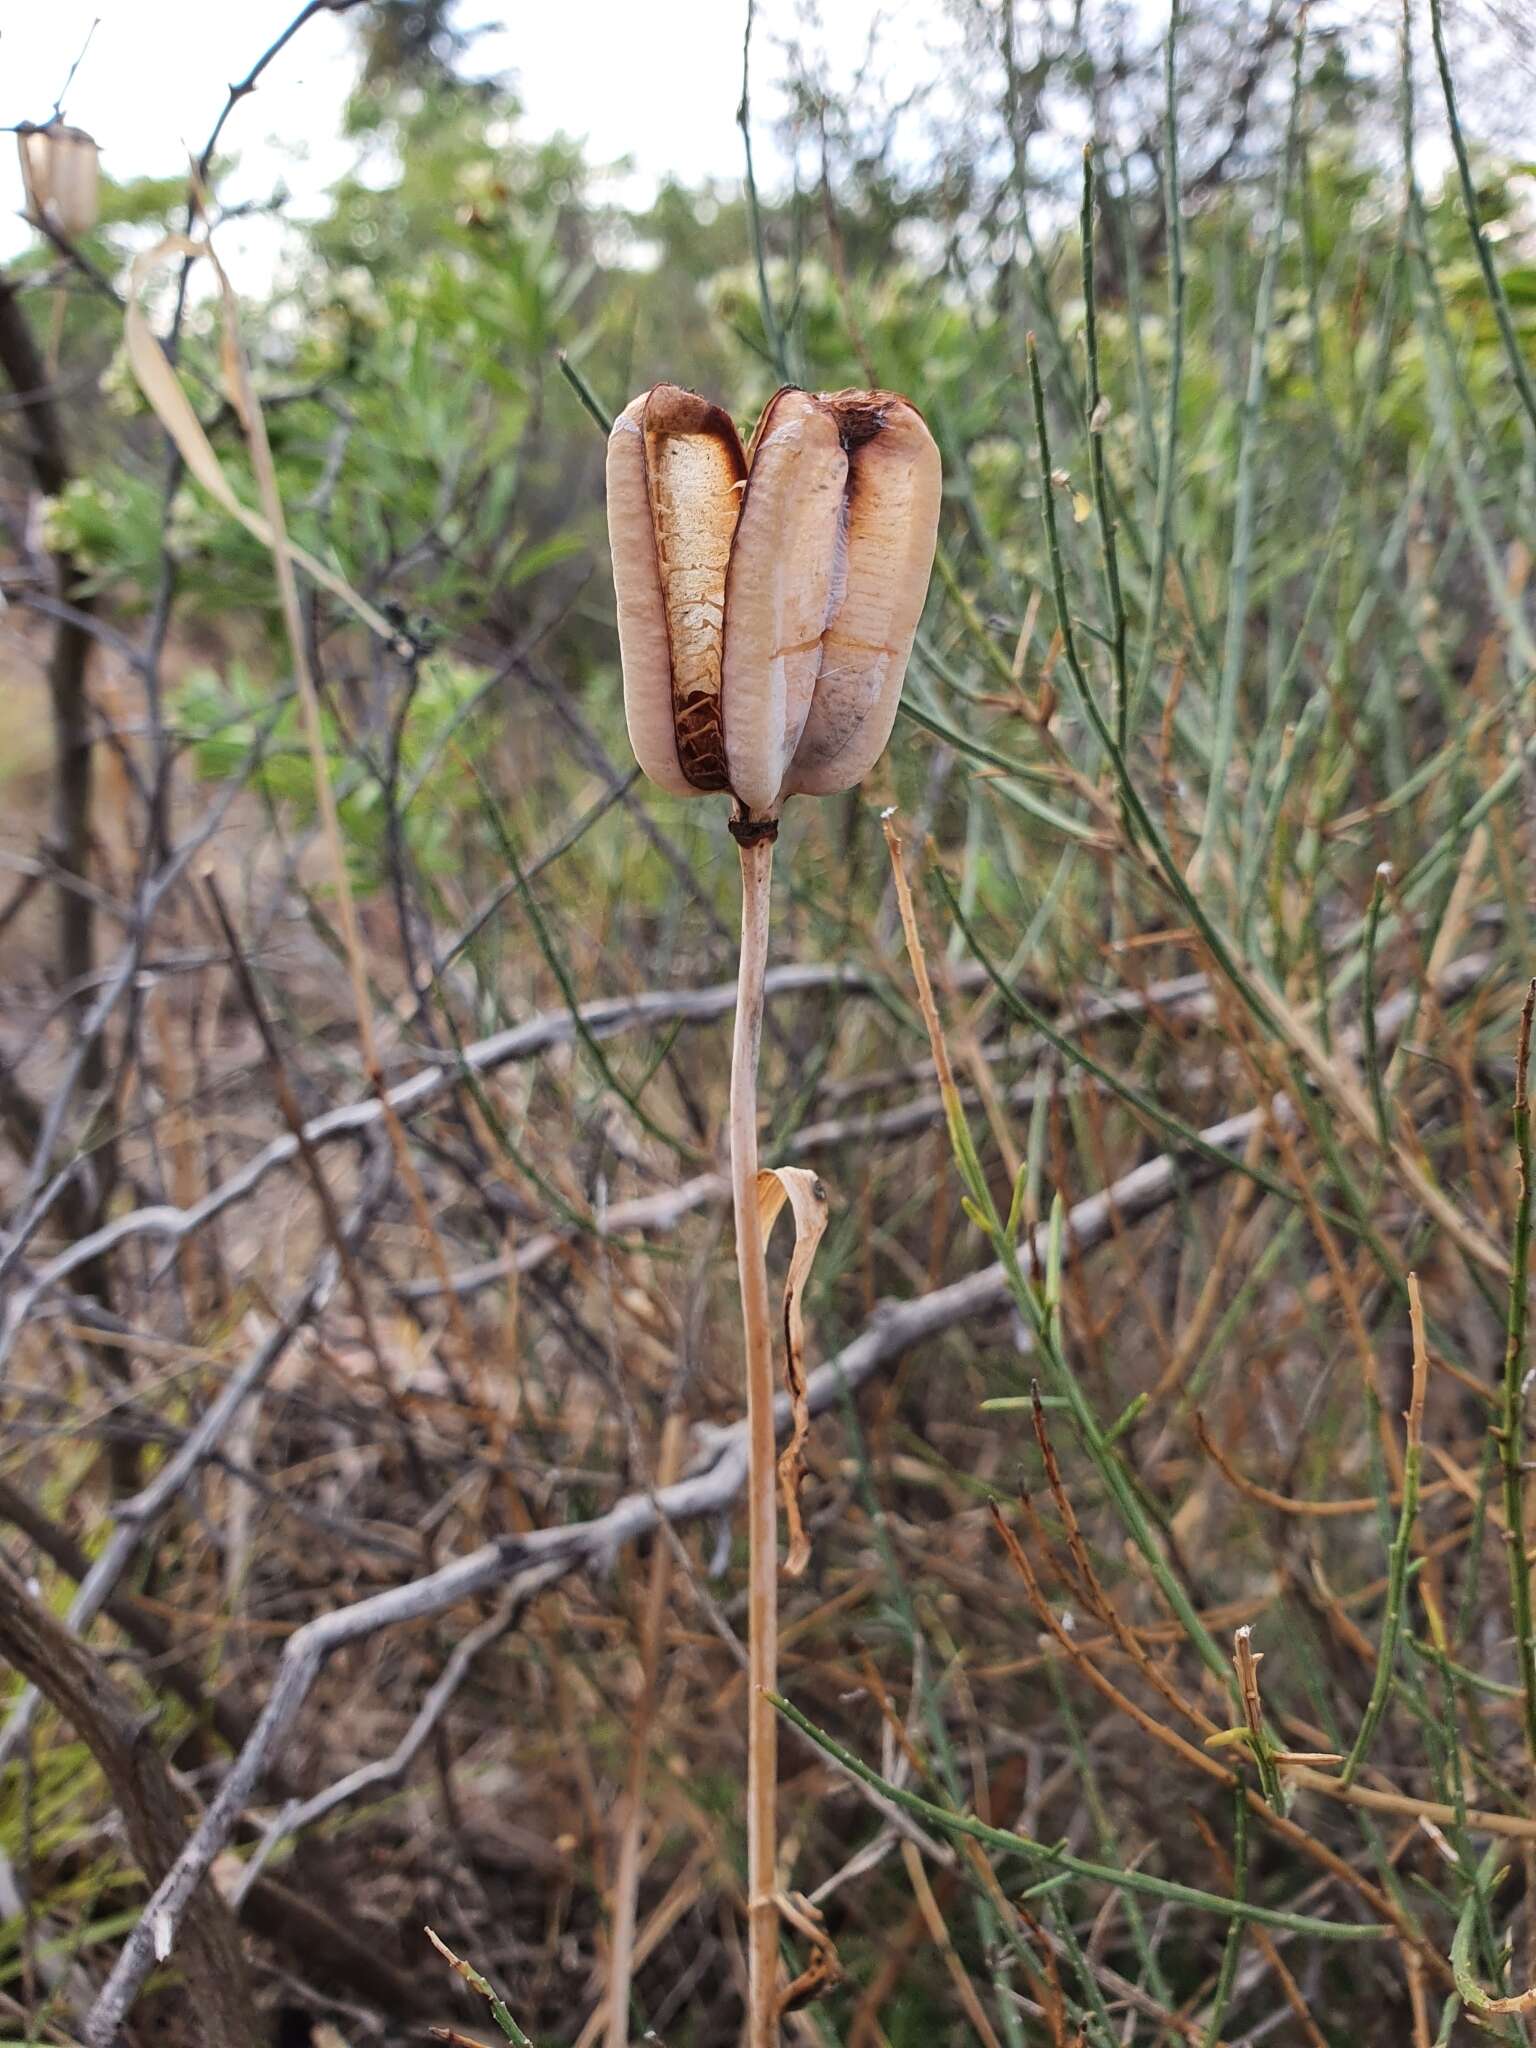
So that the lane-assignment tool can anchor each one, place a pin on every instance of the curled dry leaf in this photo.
(167, 397)
(824, 1971)
(807, 1198)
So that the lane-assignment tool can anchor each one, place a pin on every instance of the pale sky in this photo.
(156, 73)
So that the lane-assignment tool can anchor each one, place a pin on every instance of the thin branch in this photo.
(762, 1506)
(388, 1770)
(244, 87)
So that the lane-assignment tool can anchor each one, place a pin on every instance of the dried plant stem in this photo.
(1511, 1428)
(626, 1886)
(1397, 1570)
(762, 1512)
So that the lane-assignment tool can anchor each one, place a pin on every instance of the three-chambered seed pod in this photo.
(60, 171)
(768, 597)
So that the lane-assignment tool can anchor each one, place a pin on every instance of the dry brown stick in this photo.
(80, 1688)
(762, 1503)
(938, 1934)
(1286, 1504)
(1510, 1826)
(626, 1883)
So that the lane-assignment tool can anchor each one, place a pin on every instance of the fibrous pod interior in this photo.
(675, 471)
(695, 467)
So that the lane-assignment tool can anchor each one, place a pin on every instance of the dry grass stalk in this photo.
(627, 1874)
(762, 1517)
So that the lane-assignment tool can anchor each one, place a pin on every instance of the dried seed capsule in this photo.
(767, 605)
(60, 172)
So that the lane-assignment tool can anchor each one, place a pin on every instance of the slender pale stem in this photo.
(1511, 1431)
(762, 1511)
(626, 1884)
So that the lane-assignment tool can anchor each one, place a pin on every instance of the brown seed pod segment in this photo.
(675, 468)
(892, 523)
(694, 467)
(645, 652)
(779, 588)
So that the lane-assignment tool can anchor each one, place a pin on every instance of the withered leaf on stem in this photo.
(807, 1198)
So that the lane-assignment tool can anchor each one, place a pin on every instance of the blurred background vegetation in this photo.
(1251, 761)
